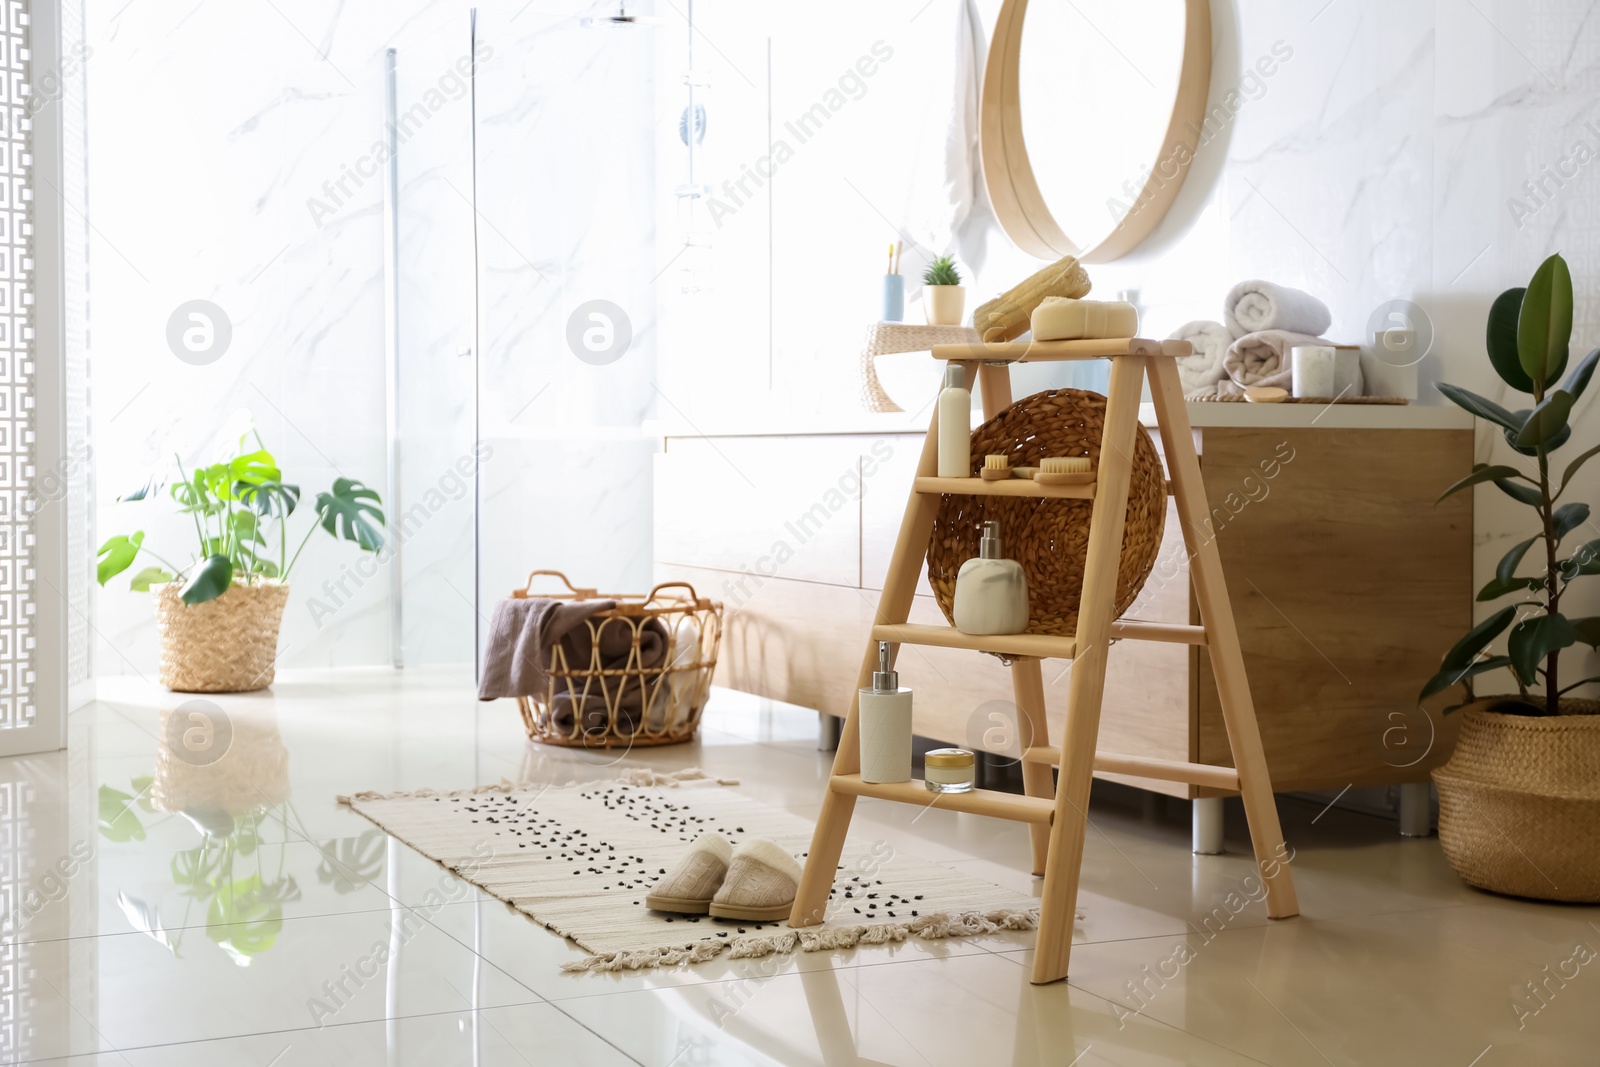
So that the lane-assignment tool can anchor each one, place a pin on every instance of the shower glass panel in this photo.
(524, 313)
(431, 294)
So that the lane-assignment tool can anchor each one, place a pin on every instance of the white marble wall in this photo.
(232, 158)
(1378, 164)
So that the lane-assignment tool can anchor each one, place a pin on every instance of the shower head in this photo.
(621, 18)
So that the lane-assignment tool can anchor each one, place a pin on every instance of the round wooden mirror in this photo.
(1090, 120)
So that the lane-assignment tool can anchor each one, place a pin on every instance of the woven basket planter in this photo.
(1519, 802)
(226, 645)
(1050, 538)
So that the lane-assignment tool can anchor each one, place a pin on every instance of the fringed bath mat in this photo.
(579, 860)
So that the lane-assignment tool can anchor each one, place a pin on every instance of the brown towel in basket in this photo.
(631, 692)
(521, 636)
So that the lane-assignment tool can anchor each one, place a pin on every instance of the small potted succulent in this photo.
(218, 617)
(1519, 800)
(943, 297)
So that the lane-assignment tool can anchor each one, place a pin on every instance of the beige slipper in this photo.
(760, 885)
(688, 887)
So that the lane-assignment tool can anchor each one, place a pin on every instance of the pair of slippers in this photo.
(756, 882)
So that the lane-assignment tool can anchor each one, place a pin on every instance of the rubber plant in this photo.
(241, 507)
(1527, 340)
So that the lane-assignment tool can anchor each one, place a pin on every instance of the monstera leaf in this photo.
(117, 555)
(117, 821)
(246, 916)
(349, 863)
(210, 580)
(352, 511)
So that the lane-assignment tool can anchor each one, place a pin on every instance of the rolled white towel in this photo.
(1262, 358)
(1201, 371)
(1255, 306)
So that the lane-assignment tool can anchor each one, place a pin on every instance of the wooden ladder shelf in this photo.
(1057, 814)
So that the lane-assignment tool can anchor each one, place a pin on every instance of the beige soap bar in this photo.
(1061, 319)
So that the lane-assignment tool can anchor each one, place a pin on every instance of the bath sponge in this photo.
(1062, 319)
(1008, 316)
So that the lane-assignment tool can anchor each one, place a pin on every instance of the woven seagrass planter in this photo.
(1519, 802)
(226, 645)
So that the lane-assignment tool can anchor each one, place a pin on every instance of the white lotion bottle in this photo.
(991, 591)
(884, 718)
(955, 424)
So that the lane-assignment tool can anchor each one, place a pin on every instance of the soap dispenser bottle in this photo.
(884, 718)
(991, 591)
(955, 424)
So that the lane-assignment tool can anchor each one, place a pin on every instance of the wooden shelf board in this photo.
(1011, 806)
(1056, 351)
(1013, 487)
(1037, 646)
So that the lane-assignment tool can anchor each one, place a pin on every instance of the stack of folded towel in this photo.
(1263, 322)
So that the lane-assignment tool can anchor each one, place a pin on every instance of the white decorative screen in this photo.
(18, 500)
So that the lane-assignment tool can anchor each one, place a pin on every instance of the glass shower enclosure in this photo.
(520, 312)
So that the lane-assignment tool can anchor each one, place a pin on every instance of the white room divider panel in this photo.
(33, 458)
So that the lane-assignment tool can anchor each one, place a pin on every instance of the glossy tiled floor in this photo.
(128, 942)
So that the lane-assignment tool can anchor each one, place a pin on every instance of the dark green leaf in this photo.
(1480, 406)
(149, 576)
(1584, 561)
(1523, 494)
(1466, 650)
(1578, 380)
(1587, 630)
(1568, 517)
(1575, 465)
(1495, 588)
(269, 498)
(1533, 450)
(1501, 340)
(150, 487)
(1445, 679)
(1533, 639)
(210, 580)
(352, 511)
(117, 555)
(1507, 568)
(1547, 421)
(1544, 327)
(1481, 472)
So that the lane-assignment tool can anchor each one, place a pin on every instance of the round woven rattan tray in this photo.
(1049, 538)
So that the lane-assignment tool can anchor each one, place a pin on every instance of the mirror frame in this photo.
(1007, 174)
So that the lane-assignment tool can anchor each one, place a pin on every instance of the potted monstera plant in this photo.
(1519, 800)
(218, 616)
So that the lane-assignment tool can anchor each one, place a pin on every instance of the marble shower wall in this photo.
(233, 157)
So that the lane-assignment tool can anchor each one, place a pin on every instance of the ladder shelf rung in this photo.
(1011, 806)
(1175, 632)
(1165, 770)
(1013, 487)
(1037, 646)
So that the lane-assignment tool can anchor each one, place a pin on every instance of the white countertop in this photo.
(1201, 413)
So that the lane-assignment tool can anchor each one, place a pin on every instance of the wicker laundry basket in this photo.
(1519, 802)
(226, 645)
(668, 641)
(1050, 538)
